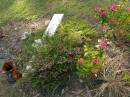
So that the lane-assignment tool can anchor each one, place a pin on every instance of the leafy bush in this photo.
(53, 62)
(114, 22)
(115, 19)
(89, 61)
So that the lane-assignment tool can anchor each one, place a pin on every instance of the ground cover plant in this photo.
(53, 62)
(115, 19)
(90, 61)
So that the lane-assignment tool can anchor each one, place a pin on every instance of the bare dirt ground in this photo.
(12, 32)
(10, 41)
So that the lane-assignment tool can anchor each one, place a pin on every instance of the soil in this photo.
(10, 42)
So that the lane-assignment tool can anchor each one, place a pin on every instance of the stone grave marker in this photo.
(53, 25)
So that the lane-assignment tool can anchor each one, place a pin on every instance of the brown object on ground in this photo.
(8, 66)
(112, 72)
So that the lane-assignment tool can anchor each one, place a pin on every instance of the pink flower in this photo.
(103, 13)
(80, 61)
(98, 9)
(102, 44)
(105, 40)
(128, 8)
(114, 7)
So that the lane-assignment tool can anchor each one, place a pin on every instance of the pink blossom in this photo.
(103, 13)
(98, 9)
(128, 8)
(114, 7)
(80, 61)
(105, 40)
(102, 44)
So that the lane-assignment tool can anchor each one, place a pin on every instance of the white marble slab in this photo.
(53, 25)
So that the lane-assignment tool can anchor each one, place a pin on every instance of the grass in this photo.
(31, 9)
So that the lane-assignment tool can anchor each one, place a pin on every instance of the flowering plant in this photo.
(115, 19)
(89, 62)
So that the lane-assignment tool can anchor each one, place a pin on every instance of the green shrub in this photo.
(89, 61)
(115, 20)
(53, 62)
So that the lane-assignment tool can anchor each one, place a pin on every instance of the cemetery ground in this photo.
(49, 70)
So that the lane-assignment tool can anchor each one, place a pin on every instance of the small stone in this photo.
(63, 91)
(38, 41)
(81, 81)
(25, 35)
(28, 67)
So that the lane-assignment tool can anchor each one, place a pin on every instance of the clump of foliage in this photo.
(115, 19)
(114, 23)
(126, 76)
(89, 61)
(54, 60)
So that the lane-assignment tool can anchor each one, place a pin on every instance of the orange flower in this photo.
(94, 70)
(80, 61)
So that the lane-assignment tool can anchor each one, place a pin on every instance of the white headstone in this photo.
(53, 25)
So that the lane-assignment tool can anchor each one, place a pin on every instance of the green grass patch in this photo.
(31, 9)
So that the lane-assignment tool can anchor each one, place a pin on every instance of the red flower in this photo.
(103, 13)
(114, 7)
(98, 9)
(94, 70)
(95, 61)
(80, 61)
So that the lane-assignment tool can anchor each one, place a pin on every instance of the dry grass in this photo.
(112, 73)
